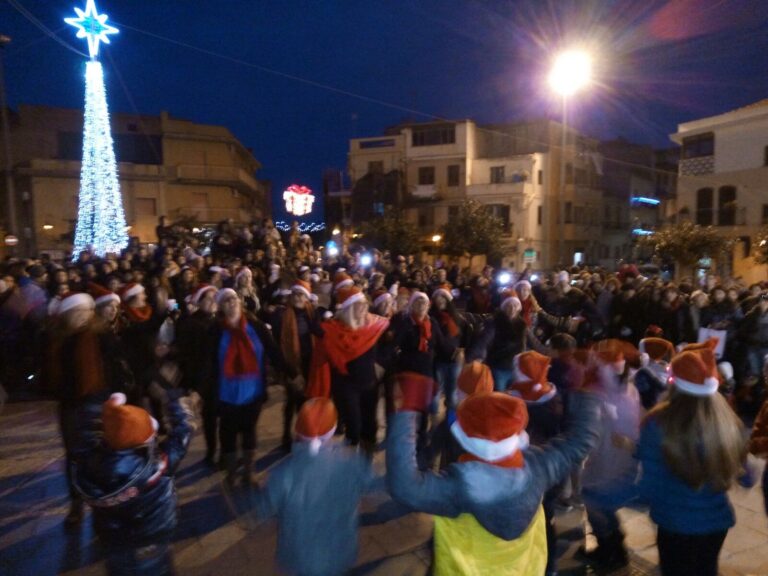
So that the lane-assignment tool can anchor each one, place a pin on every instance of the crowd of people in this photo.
(506, 395)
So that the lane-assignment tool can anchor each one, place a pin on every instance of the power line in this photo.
(48, 32)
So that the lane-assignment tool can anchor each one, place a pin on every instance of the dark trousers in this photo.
(210, 425)
(68, 425)
(688, 554)
(294, 398)
(548, 503)
(153, 560)
(357, 408)
(238, 420)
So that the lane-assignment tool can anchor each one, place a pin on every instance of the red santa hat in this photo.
(243, 272)
(316, 422)
(491, 426)
(302, 287)
(530, 379)
(612, 352)
(102, 295)
(657, 348)
(380, 295)
(708, 344)
(348, 295)
(509, 298)
(201, 291)
(225, 293)
(126, 427)
(75, 300)
(694, 373)
(341, 279)
(443, 290)
(416, 295)
(130, 291)
(475, 378)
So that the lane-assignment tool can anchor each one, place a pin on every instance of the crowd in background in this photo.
(114, 339)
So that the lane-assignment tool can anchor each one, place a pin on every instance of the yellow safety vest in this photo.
(464, 547)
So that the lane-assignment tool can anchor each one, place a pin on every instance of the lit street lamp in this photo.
(571, 72)
(9, 184)
(436, 240)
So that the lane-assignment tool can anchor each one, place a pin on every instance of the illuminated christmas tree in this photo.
(101, 225)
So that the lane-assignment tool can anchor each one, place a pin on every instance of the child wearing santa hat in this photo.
(651, 379)
(487, 506)
(126, 475)
(315, 493)
(691, 449)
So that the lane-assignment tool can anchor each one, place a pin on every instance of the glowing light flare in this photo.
(298, 200)
(92, 26)
(571, 72)
(366, 260)
(436, 238)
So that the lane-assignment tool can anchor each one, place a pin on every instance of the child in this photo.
(127, 479)
(315, 493)
(651, 379)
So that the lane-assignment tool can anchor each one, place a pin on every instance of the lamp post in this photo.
(9, 184)
(571, 72)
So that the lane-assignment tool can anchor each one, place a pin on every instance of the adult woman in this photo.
(447, 368)
(691, 449)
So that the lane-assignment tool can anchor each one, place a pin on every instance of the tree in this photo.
(473, 231)
(392, 232)
(686, 244)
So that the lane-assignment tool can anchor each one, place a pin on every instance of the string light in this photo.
(304, 227)
(101, 225)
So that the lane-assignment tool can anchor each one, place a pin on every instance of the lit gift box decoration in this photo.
(298, 200)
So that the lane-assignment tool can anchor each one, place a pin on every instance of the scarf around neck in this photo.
(138, 315)
(240, 358)
(425, 332)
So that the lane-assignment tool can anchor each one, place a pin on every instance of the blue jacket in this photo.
(674, 505)
(503, 500)
(131, 492)
(315, 499)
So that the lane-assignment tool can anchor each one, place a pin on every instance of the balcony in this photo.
(215, 175)
(501, 189)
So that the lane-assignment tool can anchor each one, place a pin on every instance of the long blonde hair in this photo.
(702, 439)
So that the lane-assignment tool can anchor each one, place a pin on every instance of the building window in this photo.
(539, 213)
(385, 143)
(764, 220)
(569, 212)
(426, 217)
(541, 177)
(453, 175)
(426, 176)
(434, 135)
(497, 174)
(453, 212)
(376, 167)
(726, 206)
(701, 145)
(146, 207)
(501, 211)
(704, 211)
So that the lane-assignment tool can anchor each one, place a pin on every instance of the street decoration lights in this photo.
(298, 200)
(101, 225)
(571, 73)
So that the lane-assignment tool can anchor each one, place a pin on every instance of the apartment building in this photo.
(428, 169)
(166, 166)
(723, 180)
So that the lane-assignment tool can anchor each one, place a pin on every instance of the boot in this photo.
(610, 553)
(247, 465)
(229, 464)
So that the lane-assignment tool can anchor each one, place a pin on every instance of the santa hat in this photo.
(657, 348)
(708, 344)
(491, 426)
(201, 291)
(475, 378)
(694, 373)
(225, 293)
(101, 295)
(416, 295)
(509, 297)
(303, 269)
(75, 300)
(316, 422)
(443, 290)
(523, 284)
(130, 291)
(302, 287)
(403, 291)
(126, 427)
(243, 272)
(611, 352)
(380, 295)
(348, 295)
(341, 279)
(530, 380)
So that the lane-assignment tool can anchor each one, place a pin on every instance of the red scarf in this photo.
(138, 315)
(529, 307)
(240, 357)
(425, 332)
(447, 321)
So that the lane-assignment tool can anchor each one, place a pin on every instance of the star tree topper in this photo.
(93, 26)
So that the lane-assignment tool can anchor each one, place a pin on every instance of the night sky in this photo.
(295, 80)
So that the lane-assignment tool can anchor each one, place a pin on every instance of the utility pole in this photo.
(9, 184)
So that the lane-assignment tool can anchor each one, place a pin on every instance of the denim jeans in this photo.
(501, 378)
(756, 358)
(446, 374)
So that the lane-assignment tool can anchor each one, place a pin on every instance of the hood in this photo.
(502, 500)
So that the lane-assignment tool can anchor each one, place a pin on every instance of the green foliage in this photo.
(686, 243)
(473, 231)
(391, 232)
(760, 251)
